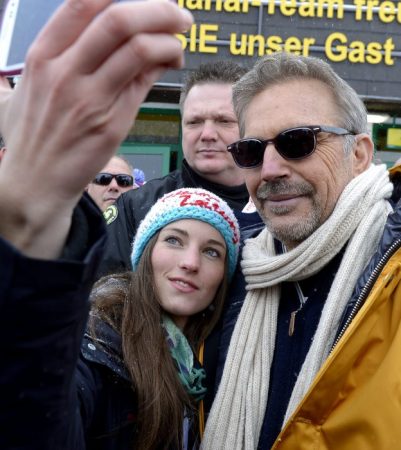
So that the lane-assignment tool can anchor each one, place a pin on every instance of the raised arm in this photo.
(85, 78)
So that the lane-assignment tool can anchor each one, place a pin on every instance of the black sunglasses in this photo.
(104, 179)
(293, 143)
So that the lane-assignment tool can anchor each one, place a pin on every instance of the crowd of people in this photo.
(249, 300)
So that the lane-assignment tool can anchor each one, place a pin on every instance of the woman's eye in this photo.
(212, 252)
(172, 240)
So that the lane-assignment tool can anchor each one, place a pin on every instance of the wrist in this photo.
(37, 230)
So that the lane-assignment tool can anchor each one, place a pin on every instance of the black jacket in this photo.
(44, 306)
(106, 398)
(124, 217)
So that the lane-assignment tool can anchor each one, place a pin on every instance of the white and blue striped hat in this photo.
(189, 203)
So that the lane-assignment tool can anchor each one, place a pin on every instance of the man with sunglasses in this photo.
(114, 179)
(310, 346)
(209, 124)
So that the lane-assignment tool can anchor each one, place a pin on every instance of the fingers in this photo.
(122, 21)
(67, 23)
(143, 53)
(117, 42)
(133, 94)
(87, 75)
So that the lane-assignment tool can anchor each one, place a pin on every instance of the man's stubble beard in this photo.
(298, 229)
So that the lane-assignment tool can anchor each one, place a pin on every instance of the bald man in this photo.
(114, 179)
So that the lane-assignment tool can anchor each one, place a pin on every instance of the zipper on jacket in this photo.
(368, 286)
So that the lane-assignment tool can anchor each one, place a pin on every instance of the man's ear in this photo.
(2, 151)
(362, 153)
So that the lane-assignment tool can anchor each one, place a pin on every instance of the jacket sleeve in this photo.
(121, 227)
(43, 312)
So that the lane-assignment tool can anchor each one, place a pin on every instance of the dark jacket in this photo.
(107, 400)
(44, 306)
(124, 217)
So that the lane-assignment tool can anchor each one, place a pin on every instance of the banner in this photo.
(360, 39)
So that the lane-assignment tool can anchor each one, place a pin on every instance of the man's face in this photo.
(296, 197)
(208, 126)
(105, 196)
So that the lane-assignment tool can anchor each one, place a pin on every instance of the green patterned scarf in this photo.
(191, 377)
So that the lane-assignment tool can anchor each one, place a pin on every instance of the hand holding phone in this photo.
(85, 77)
(21, 22)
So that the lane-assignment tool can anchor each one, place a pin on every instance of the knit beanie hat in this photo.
(189, 203)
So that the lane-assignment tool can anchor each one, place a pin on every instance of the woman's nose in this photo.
(190, 261)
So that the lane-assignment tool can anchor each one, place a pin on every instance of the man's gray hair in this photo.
(2, 143)
(127, 162)
(282, 67)
(224, 72)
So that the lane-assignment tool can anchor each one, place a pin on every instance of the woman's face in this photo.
(188, 262)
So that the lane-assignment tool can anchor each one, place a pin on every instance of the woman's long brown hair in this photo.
(130, 304)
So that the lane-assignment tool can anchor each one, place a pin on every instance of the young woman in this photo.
(139, 378)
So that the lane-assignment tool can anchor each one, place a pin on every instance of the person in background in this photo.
(311, 336)
(88, 86)
(114, 179)
(209, 124)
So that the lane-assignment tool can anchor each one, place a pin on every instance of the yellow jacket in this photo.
(355, 400)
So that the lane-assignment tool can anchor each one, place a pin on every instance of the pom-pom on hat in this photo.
(189, 203)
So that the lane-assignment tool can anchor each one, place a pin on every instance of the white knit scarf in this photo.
(238, 411)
